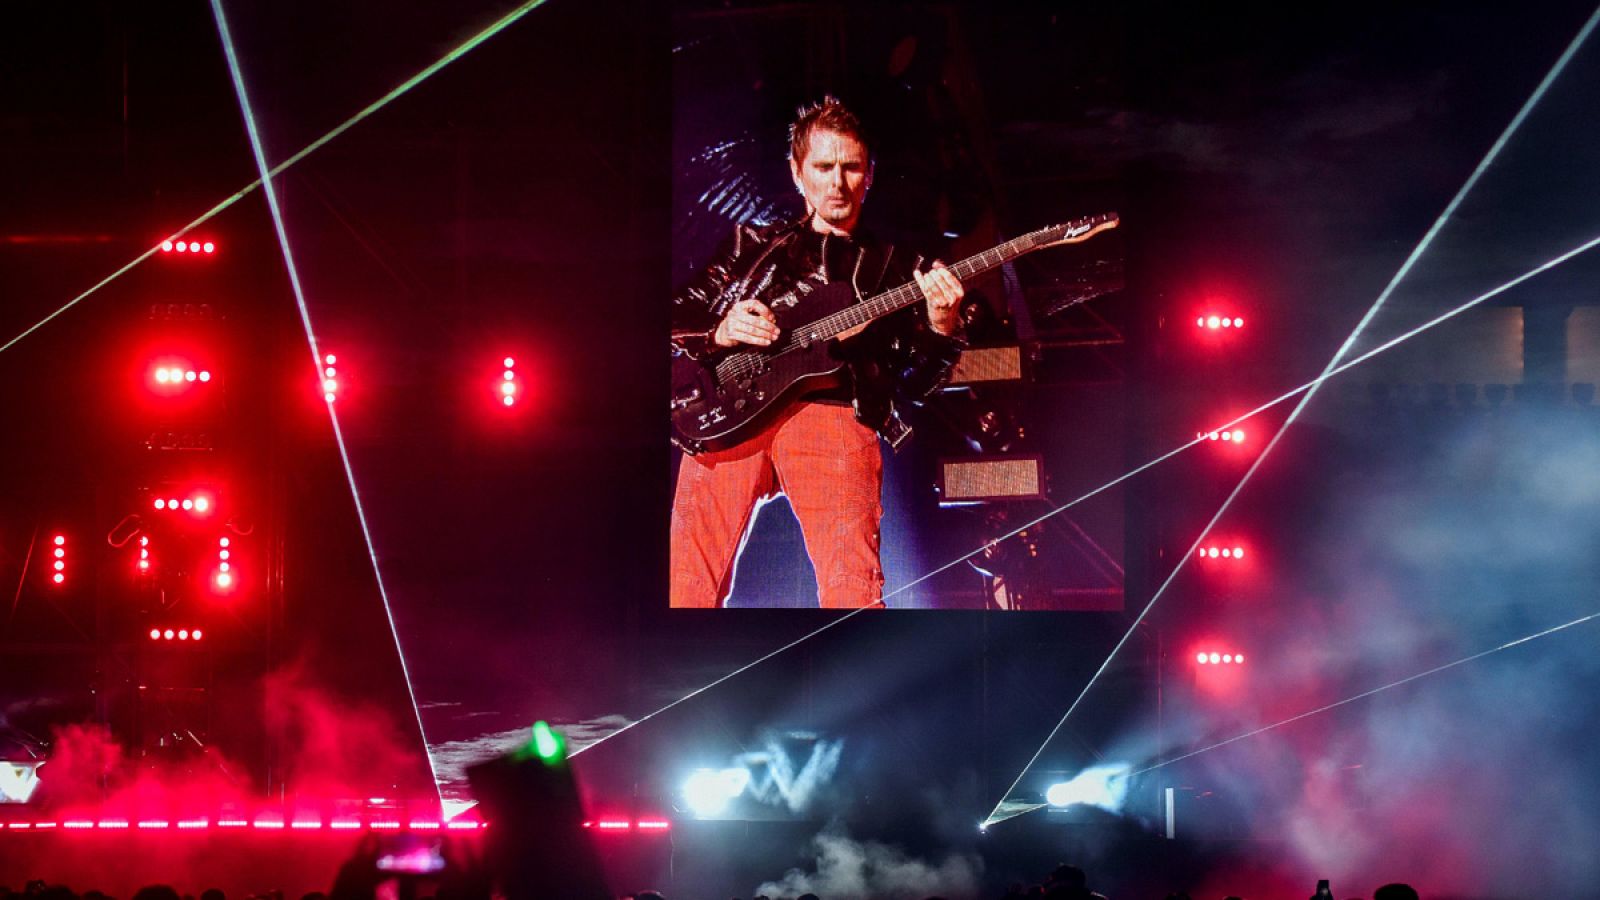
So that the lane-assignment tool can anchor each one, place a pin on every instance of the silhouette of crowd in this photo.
(1065, 882)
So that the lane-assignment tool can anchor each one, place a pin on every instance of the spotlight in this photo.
(709, 791)
(508, 382)
(1231, 551)
(1216, 322)
(1105, 787)
(59, 553)
(330, 378)
(223, 579)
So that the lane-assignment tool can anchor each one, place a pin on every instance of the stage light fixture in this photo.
(508, 381)
(330, 377)
(1104, 787)
(58, 563)
(223, 579)
(1234, 436)
(188, 246)
(197, 503)
(1215, 322)
(1229, 552)
(1216, 658)
(709, 791)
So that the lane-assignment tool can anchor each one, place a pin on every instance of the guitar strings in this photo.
(750, 362)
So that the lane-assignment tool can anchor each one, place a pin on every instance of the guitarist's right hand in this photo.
(748, 322)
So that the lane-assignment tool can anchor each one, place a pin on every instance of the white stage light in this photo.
(709, 791)
(1105, 787)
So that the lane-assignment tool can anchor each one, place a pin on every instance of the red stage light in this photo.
(183, 247)
(155, 634)
(508, 382)
(1216, 658)
(1218, 551)
(330, 379)
(224, 569)
(167, 634)
(209, 247)
(1215, 322)
(59, 564)
(166, 246)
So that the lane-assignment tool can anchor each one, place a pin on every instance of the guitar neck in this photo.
(909, 294)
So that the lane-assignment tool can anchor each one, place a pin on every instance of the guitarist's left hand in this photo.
(943, 292)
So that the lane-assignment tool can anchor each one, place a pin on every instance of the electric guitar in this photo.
(720, 400)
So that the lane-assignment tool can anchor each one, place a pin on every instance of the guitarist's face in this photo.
(833, 176)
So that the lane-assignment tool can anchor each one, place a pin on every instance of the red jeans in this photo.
(827, 464)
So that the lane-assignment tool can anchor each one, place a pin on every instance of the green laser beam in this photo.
(403, 88)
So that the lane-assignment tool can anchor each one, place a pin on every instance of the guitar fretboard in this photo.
(908, 294)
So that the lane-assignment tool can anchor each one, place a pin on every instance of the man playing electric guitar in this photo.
(821, 451)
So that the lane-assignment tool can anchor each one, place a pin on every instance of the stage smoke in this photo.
(335, 747)
(852, 870)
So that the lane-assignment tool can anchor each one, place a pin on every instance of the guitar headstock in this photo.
(1073, 232)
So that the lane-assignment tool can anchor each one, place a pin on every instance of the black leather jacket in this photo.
(898, 358)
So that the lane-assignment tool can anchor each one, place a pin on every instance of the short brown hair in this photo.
(829, 114)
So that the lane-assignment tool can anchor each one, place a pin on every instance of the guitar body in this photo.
(719, 401)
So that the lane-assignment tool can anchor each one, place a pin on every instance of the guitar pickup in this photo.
(682, 401)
